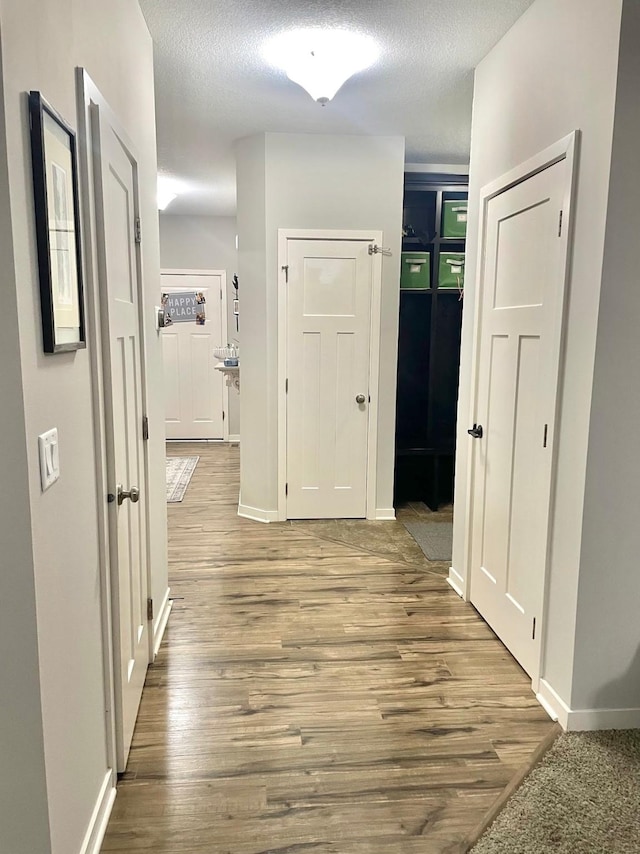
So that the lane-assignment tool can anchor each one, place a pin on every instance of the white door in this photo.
(194, 390)
(116, 194)
(328, 339)
(522, 304)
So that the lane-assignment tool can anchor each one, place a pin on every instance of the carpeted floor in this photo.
(583, 798)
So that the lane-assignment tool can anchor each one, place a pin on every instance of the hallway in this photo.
(312, 695)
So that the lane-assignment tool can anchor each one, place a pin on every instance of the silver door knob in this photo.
(360, 398)
(133, 494)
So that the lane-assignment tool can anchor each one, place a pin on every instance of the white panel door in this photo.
(116, 193)
(194, 390)
(523, 292)
(328, 339)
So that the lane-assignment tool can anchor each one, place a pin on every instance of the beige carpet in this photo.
(583, 798)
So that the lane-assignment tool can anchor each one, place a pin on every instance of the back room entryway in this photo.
(196, 396)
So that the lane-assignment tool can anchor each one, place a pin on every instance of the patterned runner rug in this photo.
(179, 472)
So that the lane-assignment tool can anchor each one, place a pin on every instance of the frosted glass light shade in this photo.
(168, 190)
(321, 60)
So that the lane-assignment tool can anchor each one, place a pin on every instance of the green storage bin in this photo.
(454, 218)
(451, 270)
(415, 273)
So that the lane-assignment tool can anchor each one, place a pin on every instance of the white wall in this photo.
(256, 488)
(205, 243)
(553, 72)
(24, 818)
(607, 660)
(43, 41)
(318, 181)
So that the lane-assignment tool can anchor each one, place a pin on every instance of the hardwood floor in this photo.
(312, 696)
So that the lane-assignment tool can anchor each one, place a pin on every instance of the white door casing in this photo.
(196, 396)
(521, 296)
(331, 304)
(115, 174)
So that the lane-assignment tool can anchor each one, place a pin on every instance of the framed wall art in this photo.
(57, 213)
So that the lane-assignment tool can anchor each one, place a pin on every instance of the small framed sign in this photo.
(57, 211)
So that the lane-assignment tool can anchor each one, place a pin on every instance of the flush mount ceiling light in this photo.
(321, 60)
(168, 190)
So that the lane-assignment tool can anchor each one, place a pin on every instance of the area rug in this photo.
(434, 538)
(583, 798)
(179, 472)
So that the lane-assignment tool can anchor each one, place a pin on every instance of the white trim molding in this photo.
(257, 515)
(383, 514)
(94, 836)
(456, 581)
(438, 168)
(373, 236)
(552, 703)
(234, 437)
(584, 720)
(160, 622)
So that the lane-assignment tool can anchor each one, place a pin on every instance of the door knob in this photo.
(476, 431)
(133, 494)
(360, 398)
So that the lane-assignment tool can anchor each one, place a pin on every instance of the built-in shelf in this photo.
(231, 373)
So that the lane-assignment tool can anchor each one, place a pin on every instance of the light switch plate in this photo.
(49, 458)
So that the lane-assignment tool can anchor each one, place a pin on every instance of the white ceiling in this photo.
(213, 85)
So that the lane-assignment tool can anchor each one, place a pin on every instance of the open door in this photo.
(116, 193)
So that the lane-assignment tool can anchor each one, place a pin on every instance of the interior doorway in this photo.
(120, 398)
(329, 340)
(196, 395)
(524, 250)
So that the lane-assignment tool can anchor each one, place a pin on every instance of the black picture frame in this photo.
(57, 219)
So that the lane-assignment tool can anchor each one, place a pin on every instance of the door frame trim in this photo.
(89, 97)
(567, 149)
(224, 329)
(373, 236)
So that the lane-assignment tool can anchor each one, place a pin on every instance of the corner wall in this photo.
(43, 41)
(553, 72)
(607, 660)
(205, 243)
(255, 486)
(315, 182)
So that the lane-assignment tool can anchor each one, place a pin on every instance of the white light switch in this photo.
(49, 458)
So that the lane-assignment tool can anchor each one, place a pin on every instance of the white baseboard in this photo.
(100, 817)
(553, 704)
(456, 581)
(161, 622)
(584, 720)
(256, 514)
(384, 515)
(234, 437)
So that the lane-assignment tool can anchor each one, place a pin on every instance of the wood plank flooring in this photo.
(313, 696)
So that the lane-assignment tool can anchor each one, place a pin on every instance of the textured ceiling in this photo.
(213, 85)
